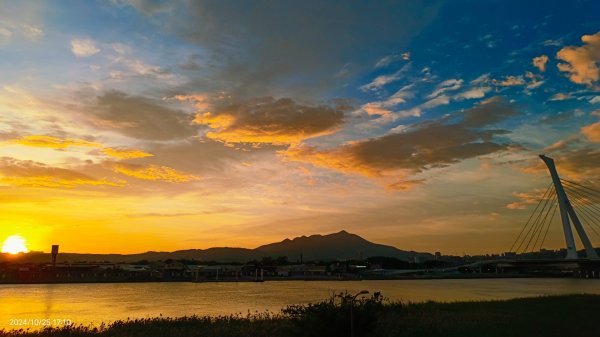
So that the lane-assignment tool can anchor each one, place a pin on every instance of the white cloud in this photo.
(31, 32)
(83, 47)
(485, 78)
(9, 31)
(383, 108)
(121, 48)
(534, 84)
(382, 80)
(399, 129)
(432, 103)
(387, 60)
(401, 95)
(472, 93)
(447, 85)
(5, 33)
(377, 109)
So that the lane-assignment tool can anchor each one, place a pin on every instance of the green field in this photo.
(573, 315)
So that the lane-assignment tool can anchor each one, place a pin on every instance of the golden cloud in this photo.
(592, 132)
(540, 62)
(582, 62)
(404, 185)
(509, 81)
(125, 153)
(267, 120)
(575, 160)
(56, 182)
(63, 143)
(52, 142)
(27, 173)
(200, 100)
(154, 172)
(419, 148)
(528, 198)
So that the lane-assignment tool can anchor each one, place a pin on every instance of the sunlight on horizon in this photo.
(14, 244)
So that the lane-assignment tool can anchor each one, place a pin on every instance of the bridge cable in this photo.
(538, 230)
(534, 226)
(530, 217)
(588, 210)
(585, 199)
(581, 186)
(585, 192)
(583, 204)
(549, 223)
(591, 220)
(590, 224)
(537, 224)
(543, 223)
(591, 203)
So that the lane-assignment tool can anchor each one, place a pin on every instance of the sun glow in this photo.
(14, 244)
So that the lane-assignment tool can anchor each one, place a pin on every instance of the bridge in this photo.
(578, 208)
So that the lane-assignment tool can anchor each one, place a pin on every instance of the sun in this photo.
(14, 244)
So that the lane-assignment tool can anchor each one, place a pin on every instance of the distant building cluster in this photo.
(543, 262)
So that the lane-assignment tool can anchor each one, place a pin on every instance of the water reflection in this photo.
(94, 303)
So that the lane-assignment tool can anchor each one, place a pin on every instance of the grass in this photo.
(572, 315)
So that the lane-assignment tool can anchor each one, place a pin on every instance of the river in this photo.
(29, 306)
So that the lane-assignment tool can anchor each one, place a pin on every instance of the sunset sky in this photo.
(128, 126)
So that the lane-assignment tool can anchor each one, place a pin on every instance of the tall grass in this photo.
(574, 315)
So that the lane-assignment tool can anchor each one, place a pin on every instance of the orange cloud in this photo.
(540, 62)
(430, 145)
(405, 185)
(581, 62)
(528, 198)
(63, 143)
(33, 174)
(376, 109)
(561, 96)
(592, 132)
(509, 81)
(342, 159)
(200, 100)
(154, 172)
(125, 153)
(56, 182)
(52, 142)
(268, 120)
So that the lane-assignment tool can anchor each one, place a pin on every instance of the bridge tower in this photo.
(567, 214)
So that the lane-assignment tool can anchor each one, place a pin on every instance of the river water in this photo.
(30, 306)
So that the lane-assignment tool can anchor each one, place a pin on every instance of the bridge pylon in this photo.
(568, 214)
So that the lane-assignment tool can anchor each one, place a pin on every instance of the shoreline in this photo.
(312, 279)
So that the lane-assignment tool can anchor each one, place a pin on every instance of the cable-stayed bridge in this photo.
(577, 205)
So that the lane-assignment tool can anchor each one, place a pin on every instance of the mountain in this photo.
(224, 254)
(336, 246)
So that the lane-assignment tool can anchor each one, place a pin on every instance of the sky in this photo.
(128, 126)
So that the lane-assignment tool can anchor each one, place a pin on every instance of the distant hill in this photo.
(336, 246)
(210, 254)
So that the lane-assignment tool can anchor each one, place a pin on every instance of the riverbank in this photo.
(527, 317)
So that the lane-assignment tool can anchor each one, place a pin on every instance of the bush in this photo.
(332, 317)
